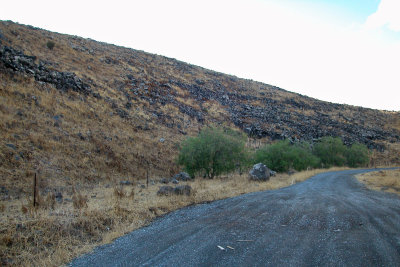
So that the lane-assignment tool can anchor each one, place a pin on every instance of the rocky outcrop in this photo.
(17, 61)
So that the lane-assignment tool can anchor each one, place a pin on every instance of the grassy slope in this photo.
(79, 146)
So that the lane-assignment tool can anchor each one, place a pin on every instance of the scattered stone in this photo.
(122, 113)
(259, 172)
(174, 181)
(3, 190)
(58, 118)
(182, 176)
(12, 146)
(183, 190)
(164, 181)
(125, 182)
(58, 197)
(80, 135)
(20, 227)
(128, 105)
(162, 140)
(165, 190)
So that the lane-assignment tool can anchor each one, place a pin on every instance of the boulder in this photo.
(165, 190)
(182, 176)
(259, 172)
(164, 181)
(125, 182)
(59, 197)
(174, 181)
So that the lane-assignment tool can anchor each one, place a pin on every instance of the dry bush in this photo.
(79, 201)
(132, 194)
(119, 192)
(50, 200)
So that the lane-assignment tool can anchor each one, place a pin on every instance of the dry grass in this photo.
(80, 147)
(385, 180)
(56, 232)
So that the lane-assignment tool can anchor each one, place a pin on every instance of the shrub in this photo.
(50, 45)
(283, 156)
(213, 152)
(357, 155)
(331, 151)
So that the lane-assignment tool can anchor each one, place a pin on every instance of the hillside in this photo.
(114, 108)
(86, 116)
(86, 110)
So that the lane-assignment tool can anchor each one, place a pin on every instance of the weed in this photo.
(119, 192)
(79, 201)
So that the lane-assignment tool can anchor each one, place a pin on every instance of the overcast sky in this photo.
(343, 51)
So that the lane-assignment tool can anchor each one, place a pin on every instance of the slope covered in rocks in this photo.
(87, 111)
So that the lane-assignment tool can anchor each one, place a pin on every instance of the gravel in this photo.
(328, 220)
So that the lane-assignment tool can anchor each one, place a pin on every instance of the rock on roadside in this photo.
(260, 172)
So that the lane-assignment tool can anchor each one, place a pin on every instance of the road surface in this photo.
(328, 220)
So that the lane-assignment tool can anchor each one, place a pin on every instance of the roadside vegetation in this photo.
(52, 233)
(384, 180)
(213, 152)
(92, 154)
(216, 151)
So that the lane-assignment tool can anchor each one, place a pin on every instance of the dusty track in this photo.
(328, 220)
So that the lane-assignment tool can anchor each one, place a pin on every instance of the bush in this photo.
(357, 155)
(331, 151)
(213, 152)
(283, 156)
(50, 45)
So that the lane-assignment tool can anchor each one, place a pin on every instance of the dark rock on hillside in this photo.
(19, 62)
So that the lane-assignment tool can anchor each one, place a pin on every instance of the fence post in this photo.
(34, 190)
(147, 174)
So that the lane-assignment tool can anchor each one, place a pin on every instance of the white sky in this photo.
(301, 46)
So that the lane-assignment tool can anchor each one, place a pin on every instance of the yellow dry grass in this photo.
(384, 180)
(54, 233)
(80, 147)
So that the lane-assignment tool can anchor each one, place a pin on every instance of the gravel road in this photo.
(328, 220)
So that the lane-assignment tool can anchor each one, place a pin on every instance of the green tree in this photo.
(283, 156)
(331, 151)
(213, 152)
(357, 155)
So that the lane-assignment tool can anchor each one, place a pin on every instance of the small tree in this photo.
(283, 156)
(213, 152)
(357, 155)
(331, 151)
